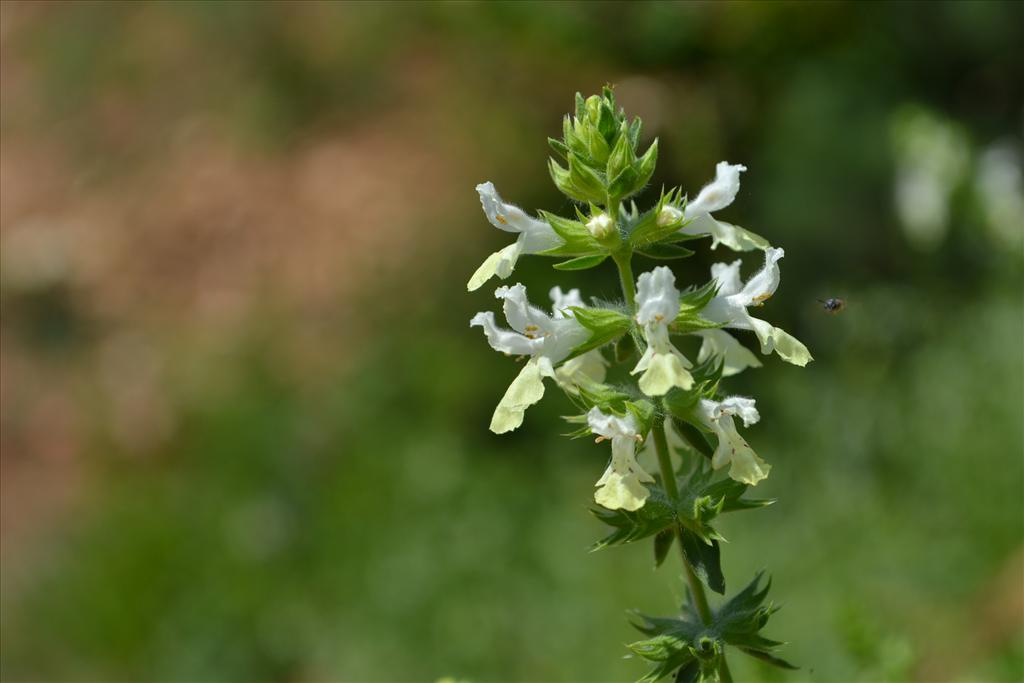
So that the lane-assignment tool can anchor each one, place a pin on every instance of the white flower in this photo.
(732, 449)
(534, 236)
(715, 196)
(657, 301)
(546, 339)
(601, 226)
(586, 366)
(621, 486)
(730, 305)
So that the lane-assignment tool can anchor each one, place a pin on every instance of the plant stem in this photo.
(668, 479)
(623, 260)
(626, 279)
(700, 599)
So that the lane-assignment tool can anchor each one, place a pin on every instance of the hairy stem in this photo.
(626, 279)
(668, 479)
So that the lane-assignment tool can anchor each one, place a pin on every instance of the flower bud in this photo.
(669, 215)
(601, 226)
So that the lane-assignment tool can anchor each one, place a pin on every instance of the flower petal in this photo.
(504, 216)
(522, 316)
(720, 192)
(727, 275)
(741, 406)
(590, 366)
(562, 301)
(504, 341)
(735, 355)
(499, 263)
(657, 298)
(762, 285)
(789, 348)
(747, 467)
(618, 491)
(664, 371)
(526, 389)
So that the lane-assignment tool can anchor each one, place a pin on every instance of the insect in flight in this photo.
(833, 305)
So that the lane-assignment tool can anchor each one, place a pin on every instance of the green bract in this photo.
(677, 458)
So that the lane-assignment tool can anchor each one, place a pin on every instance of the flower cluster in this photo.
(662, 405)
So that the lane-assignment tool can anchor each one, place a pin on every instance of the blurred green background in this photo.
(244, 421)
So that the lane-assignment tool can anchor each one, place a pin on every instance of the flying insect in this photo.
(832, 305)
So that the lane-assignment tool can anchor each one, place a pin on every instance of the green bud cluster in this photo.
(599, 149)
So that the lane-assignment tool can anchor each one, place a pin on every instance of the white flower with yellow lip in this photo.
(546, 339)
(733, 450)
(662, 365)
(590, 365)
(621, 487)
(534, 236)
(715, 196)
(730, 305)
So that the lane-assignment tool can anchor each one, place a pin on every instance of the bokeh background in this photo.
(243, 416)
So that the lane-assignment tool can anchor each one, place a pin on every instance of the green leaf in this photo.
(597, 395)
(662, 544)
(688, 673)
(693, 300)
(656, 515)
(576, 239)
(581, 262)
(601, 319)
(706, 560)
(643, 411)
(664, 251)
(605, 325)
(672, 644)
(624, 349)
(770, 659)
(706, 377)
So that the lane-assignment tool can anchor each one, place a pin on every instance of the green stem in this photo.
(668, 479)
(696, 587)
(724, 675)
(626, 279)
(623, 260)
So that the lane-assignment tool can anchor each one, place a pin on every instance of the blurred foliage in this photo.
(361, 524)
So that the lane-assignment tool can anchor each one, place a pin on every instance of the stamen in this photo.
(500, 219)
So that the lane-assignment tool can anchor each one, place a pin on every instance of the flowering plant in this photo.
(672, 432)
